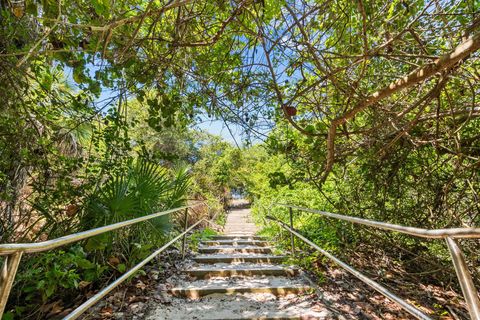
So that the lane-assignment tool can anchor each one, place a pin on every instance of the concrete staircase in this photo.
(232, 269)
(236, 276)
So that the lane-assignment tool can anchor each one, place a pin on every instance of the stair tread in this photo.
(197, 292)
(243, 306)
(237, 236)
(214, 287)
(237, 258)
(240, 267)
(235, 242)
(238, 255)
(250, 282)
(235, 247)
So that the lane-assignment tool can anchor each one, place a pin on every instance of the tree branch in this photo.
(443, 63)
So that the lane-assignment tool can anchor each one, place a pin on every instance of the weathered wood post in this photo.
(465, 278)
(292, 237)
(184, 241)
(7, 276)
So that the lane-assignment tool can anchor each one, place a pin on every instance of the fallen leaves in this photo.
(52, 309)
(140, 285)
(114, 261)
(131, 300)
(106, 312)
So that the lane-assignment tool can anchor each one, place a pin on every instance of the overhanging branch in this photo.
(443, 63)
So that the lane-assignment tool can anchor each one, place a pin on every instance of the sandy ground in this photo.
(242, 306)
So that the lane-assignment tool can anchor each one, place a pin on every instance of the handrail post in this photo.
(184, 240)
(464, 277)
(7, 276)
(292, 237)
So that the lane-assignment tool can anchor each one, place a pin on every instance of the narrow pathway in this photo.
(239, 221)
(236, 276)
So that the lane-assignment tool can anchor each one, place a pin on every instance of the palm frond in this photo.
(179, 186)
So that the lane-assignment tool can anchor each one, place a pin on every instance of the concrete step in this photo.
(277, 316)
(198, 292)
(238, 237)
(234, 249)
(259, 243)
(249, 271)
(242, 307)
(235, 232)
(223, 258)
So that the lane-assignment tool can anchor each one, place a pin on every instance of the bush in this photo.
(54, 275)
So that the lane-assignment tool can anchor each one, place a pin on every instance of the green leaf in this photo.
(78, 74)
(121, 267)
(50, 290)
(97, 243)
(101, 7)
(85, 264)
(31, 8)
(47, 81)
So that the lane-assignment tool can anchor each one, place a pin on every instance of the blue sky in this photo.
(234, 136)
(218, 127)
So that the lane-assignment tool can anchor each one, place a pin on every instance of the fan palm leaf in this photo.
(145, 188)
